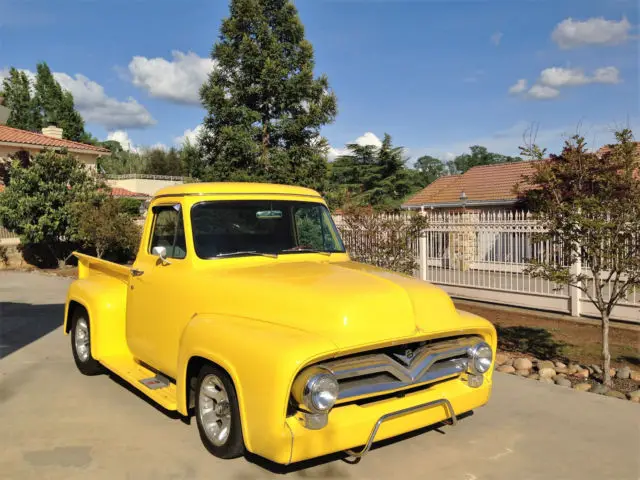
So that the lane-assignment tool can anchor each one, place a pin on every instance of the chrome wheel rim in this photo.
(214, 410)
(81, 339)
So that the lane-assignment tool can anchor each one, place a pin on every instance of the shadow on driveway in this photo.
(24, 323)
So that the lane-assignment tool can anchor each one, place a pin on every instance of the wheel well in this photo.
(73, 308)
(193, 368)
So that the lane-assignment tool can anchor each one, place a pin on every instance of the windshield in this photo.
(250, 227)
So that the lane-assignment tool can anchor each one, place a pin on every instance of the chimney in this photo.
(4, 112)
(53, 132)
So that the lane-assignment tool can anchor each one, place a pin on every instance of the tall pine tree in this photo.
(265, 108)
(373, 176)
(55, 106)
(17, 98)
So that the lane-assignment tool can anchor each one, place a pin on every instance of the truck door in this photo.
(155, 287)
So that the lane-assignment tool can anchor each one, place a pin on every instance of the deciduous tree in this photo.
(37, 203)
(589, 204)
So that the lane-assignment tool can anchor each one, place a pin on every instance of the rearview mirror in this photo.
(162, 253)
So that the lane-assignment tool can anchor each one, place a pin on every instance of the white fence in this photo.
(483, 256)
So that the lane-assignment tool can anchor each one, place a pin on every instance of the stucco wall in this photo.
(139, 185)
(89, 159)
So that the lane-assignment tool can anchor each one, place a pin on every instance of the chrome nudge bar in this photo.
(368, 374)
(443, 401)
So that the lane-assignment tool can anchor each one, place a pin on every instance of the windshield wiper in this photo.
(248, 252)
(305, 250)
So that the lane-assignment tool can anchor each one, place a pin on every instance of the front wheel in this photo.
(217, 413)
(81, 344)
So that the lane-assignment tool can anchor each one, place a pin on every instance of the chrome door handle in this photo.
(136, 272)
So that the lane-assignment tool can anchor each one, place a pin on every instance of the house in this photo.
(15, 141)
(485, 187)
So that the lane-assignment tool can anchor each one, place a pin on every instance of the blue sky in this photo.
(438, 76)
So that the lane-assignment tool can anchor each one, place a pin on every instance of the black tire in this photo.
(233, 447)
(84, 361)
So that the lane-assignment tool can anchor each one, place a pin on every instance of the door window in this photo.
(168, 231)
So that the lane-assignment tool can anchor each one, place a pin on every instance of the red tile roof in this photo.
(481, 183)
(23, 137)
(124, 193)
(116, 192)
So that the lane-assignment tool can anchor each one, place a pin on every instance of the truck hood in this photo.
(351, 304)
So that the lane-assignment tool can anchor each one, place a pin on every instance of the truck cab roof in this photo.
(237, 188)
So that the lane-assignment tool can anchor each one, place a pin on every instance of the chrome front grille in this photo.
(400, 367)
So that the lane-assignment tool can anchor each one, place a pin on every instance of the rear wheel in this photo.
(217, 413)
(81, 344)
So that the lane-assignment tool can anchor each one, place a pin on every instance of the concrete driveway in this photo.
(57, 424)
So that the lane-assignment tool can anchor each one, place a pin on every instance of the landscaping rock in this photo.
(635, 399)
(560, 365)
(534, 376)
(501, 358)
(559, 375)
(562, 370)
(506, 369)
(584, 373)
(597, 369)
(563, 382)
(624, 373)
(573, 368)
(612, 372)
(582, 387)
(547, 373)
(546, 380)
(616, 394)
(635, 376)
(599, 389)
(545, 364)
(635, 394)
(522, 364)
(523, 372)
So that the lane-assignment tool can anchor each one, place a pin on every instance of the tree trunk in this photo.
(606, 356)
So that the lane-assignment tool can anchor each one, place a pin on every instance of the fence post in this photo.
(575, 294)
(422, 251)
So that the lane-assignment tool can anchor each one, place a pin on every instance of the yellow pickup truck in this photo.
(243, 309)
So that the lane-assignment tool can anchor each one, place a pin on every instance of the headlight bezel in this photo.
(303, 389)
(476, 357)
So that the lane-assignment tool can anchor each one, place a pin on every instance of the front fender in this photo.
(262, 359)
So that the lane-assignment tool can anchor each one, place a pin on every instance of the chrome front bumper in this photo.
(443, 401)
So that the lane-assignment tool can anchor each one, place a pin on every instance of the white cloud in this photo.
(552, 79)
(96, 106)
(496, 38)
(606, 75)
(178, 80)
(595, 31)
(191, 134)
(563, 77)
(122, 137)
(519, 87)
(368, 138)
(543, 92)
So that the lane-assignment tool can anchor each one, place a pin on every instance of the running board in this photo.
(157, 387)
(154, 383)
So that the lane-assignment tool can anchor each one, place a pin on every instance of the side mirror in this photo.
(162, 253)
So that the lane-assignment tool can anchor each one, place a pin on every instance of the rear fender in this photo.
(105, 300)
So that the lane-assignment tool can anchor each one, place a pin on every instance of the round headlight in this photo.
(481, 357)
(321, 392)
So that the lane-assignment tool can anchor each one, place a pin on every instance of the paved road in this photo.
(58, 424)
